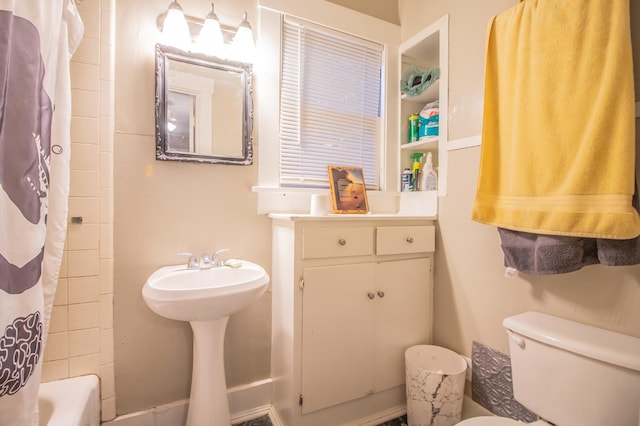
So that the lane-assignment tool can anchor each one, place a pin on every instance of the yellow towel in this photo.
(558, 143)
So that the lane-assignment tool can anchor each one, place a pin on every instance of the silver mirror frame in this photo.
(163, 54)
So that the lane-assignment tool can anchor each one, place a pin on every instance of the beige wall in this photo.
(162, 208)
(165, 207)
(80, 339)
(386, 10)
(472, 296)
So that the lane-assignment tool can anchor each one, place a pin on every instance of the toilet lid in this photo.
(489, 421)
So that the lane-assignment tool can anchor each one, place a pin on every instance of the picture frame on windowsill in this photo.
(348, 191)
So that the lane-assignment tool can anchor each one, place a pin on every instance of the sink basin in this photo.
(206, 298)
(183, 294)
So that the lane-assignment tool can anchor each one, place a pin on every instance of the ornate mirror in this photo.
(204, 108)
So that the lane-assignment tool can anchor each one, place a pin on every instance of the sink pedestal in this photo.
(208, 403)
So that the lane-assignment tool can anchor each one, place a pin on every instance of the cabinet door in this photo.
(402, 316)
(337, 334)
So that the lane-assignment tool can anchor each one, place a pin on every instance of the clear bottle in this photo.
(429, 176)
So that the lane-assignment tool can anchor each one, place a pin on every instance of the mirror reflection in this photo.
(203, 108)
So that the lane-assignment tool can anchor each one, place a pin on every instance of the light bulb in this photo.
(210, 41)
(175, 31)
(243, 47)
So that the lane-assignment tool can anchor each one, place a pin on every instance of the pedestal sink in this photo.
(206, 298)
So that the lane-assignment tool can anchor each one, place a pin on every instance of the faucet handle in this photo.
(214, 257)
(193, 260)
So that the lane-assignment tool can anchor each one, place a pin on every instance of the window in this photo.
(323, 22)
(330, 104)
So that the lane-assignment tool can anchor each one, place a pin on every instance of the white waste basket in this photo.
(435, 385)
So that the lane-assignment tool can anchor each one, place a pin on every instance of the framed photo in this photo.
(348, 193)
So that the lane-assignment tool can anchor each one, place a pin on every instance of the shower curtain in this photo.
(37, 38)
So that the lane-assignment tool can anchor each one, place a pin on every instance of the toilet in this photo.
(571, 374)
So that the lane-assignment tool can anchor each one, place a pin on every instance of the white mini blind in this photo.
(330, 106)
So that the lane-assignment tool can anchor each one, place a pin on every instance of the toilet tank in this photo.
(572, 374)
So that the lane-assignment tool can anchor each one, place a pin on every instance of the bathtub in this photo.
(70, 402)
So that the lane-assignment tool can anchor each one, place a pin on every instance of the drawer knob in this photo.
(409, 240)
(381, 294)
(342, 241)
(371, 295)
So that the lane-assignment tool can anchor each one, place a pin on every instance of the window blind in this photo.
(330, 106)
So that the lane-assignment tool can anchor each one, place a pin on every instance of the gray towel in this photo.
(538, 254)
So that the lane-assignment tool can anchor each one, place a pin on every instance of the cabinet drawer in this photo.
(336, 242)
(405, 239)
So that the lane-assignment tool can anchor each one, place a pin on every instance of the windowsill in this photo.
(361, 217)
(296, 203)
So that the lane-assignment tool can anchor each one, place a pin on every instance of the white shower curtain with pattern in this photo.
(37, 39)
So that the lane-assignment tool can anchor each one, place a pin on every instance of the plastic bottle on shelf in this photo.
(429, 177)
(406, 180)
(416, 169)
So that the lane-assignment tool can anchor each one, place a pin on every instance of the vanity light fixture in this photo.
(212, 37)
(243, 47)
(210, 41)
(175, 31)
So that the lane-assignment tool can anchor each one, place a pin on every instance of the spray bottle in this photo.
(416, 169)
(429, 180)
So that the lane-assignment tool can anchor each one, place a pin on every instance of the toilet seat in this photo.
(489, 421)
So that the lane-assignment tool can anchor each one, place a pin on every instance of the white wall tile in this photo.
(106, 24)
(85, 364)
(85, 157)
(59, 318)
(84, 289)
(85, 76)
(83, 263)
(106, 240)
(106, 98)
(106, 276)
(84, 342)
(55, 370)
(86, 207)
(83, 236)
(88, 51)
(84, 316)
(85, 103)
(107, 382)
(84, 184)
(85, 130)
(106, 133)
(57, 346)
(109, 410)
(106, 346)
(106, 205)
(106, 311)
(90, 13)
(106, 169)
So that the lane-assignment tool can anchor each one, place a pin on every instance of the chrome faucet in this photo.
(205, 262)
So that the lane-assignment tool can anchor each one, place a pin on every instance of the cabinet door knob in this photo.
(409, 240)
(371, 295)
(381, 294)
(342, 241)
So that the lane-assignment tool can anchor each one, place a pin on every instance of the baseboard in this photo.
(381, 417)
(245, 398)
(246, 402)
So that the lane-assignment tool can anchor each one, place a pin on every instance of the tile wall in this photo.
(80, 338)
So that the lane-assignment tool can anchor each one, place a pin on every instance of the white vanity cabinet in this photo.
(350, 295)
